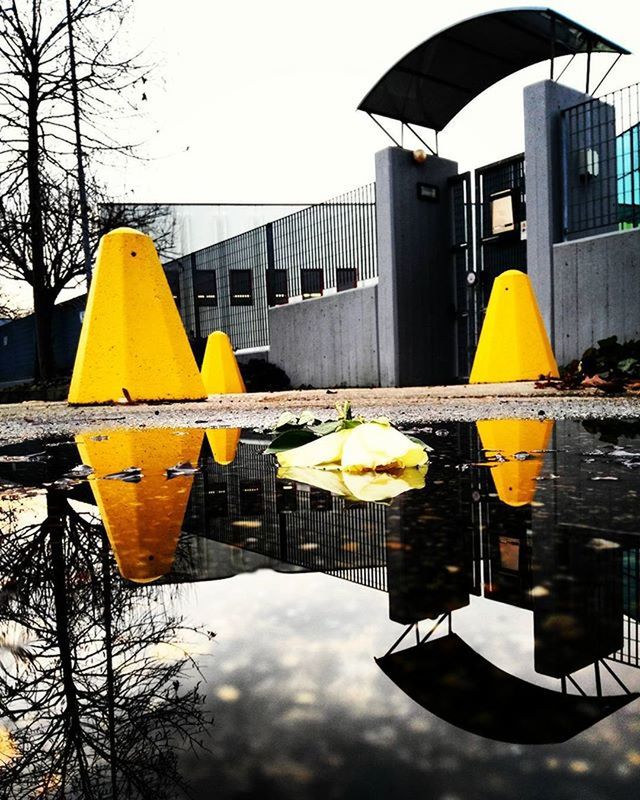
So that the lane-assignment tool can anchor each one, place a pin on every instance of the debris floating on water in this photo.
(128, 475)
(80, 471)
(23, 459)
(183, 468)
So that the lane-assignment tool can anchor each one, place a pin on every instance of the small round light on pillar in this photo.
(419, 156)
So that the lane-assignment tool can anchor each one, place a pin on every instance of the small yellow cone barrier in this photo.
(143, 520)
(224, 444)
(513, 344)
(133, 344)
(515, 479)
(220, 370)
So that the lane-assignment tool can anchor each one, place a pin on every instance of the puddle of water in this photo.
(174, 616)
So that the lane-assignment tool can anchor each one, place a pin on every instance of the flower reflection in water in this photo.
(366, 486)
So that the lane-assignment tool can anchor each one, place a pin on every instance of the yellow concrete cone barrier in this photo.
(515, 479)
(513, 344)
(133, 344)
(224, 444)
(220, 370)
(143, 520)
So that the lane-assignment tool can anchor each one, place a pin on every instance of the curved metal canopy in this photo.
(437, 79)
(452, 681)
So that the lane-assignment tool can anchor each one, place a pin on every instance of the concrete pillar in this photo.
(543, 104)
(416, 322)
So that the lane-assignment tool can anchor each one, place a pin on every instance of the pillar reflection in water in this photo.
(514, 453)
(578, 610)
(430, 548)
(143, 518)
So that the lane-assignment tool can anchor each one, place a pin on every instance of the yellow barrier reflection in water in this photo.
(224, 444)
(515, 479)
(143, 520)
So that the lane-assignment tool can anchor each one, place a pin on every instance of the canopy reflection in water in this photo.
(515, 478)
(452, 681)
(143, 520)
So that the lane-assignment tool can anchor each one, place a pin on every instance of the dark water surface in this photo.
(234, 635)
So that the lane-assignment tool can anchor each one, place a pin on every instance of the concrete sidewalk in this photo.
(406, 407)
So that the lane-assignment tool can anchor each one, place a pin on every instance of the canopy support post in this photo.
(433, 630)
(566, 67)
(606, 74)
(381, 126)
(417, 135)
(615, 677)
(397, 642)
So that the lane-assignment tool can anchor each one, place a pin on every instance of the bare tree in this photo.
(64, 256)
(38, 165)
(8, 309)
(92, 712)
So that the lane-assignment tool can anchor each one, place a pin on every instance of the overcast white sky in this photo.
(263, 93)
(255, 101)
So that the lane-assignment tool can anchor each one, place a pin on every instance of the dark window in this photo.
(173, 279)
(312, 283)
(277, 290)
(251, 496)
(217, 503)
(206, 288)
(320, 499)
(346, 278)
(286, 496)
(240, 287)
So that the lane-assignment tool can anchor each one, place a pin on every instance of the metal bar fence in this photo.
(601, 163)
(630, 652)
(246, 506)
(319, 250)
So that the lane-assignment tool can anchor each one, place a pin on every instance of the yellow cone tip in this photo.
(220, 370)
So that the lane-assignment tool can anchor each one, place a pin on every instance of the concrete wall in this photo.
(597, 291)
(543, 104)
(587, 288)
(331, 341)
(416, 324)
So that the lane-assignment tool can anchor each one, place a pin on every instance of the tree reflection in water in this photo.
(90, 706)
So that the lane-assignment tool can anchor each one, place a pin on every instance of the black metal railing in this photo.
(601, 164)
(630, 652)
(326, 248)
(331, 246)
(248, 507)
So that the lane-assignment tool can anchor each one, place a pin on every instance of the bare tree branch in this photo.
(39, 232)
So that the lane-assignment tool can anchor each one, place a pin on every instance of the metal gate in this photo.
(488, 236)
